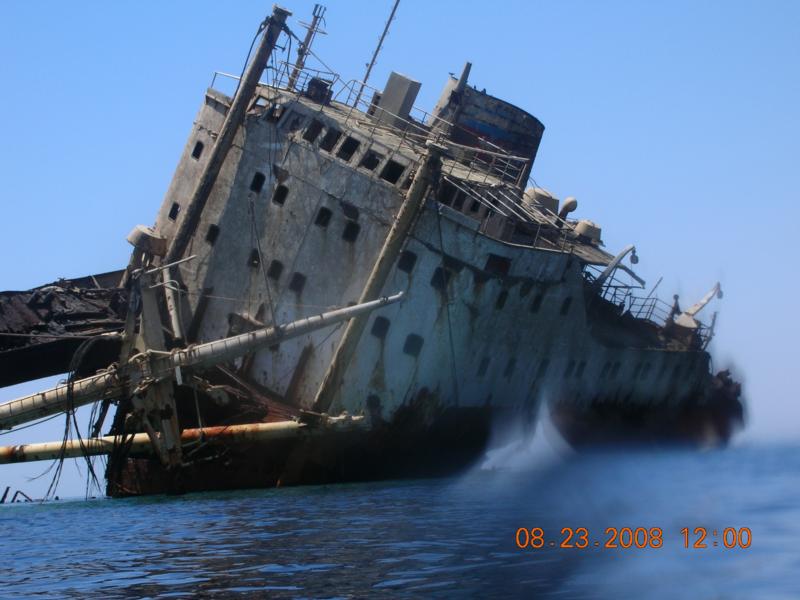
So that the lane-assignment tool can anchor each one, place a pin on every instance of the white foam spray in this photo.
(524, 448)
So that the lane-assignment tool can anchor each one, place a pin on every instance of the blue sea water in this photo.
(431, 538)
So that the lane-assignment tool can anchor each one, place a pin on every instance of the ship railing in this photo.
(224, 82)
(560, 232)
(622, 294)
(488, 159)
(551, 231)
(646, 308)
(659, 312)
(483, 161)
(650, 308)
(282, 77)
(277, 76)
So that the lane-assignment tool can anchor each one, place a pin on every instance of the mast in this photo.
(377, 50)
(305, 46)
(235, 117)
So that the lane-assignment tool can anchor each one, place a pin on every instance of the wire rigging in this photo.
(261, 27)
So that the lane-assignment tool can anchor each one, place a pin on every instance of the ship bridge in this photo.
(387, 134)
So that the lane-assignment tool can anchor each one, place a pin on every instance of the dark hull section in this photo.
(695, 421)
(403, 449)
(419, 444)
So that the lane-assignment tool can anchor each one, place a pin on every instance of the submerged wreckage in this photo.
(339, 286)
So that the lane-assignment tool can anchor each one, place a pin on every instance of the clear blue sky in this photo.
(675, 124)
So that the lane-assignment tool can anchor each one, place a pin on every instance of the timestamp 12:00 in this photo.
(633, 537)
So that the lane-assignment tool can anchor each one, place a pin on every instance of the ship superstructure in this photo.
(300, 193)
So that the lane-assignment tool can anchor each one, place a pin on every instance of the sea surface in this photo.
(453, 537)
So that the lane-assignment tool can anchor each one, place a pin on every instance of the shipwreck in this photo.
(341, 286)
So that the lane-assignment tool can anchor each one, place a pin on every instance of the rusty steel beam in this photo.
(57, 399)
(153, 366)
(140, 442)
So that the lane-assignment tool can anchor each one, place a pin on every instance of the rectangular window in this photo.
(440, 278)
(297, 282)
(380, 327)
(351, 230)
(447, 192)
(392, 171)
(323, 217)
(312, 131)
(295, 123)
(371, 160)
(275, 270)
(173, 211)
(258, 182)
(407, 261)
(497, 265)
(197, 151)
(280, 194)
(413, 345)
(212, 234)
(348, 148)
(253, 260)
(329, 139)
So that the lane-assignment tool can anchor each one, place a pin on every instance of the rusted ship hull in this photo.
(419, 444)
(466, 297)
(453, 444)
(404, 449)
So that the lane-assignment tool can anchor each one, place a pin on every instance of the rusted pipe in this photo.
(140, 442)
(42, 404)
(159, 366)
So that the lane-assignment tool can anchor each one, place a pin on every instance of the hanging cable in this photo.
(261, 27)
(447, 308)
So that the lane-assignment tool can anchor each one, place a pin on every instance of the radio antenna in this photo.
(377, 51)
(305, 46)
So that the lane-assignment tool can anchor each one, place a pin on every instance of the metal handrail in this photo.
(487, 158)
(645, 308)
